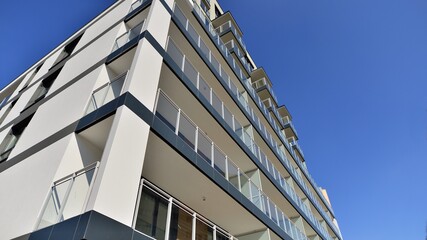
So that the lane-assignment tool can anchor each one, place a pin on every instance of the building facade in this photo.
(153, 122)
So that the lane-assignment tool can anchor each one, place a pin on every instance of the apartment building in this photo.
(153, 122)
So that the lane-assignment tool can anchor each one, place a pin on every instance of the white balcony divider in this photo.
(206, 22)
(169, 113)
(107, 92)
(128, 36)
(206, 91)
(68, 196)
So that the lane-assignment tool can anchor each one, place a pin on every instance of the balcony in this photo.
(128, 36)
(178, 122)
(68, 196)
(107, 92)
(289, 128)
(209, 28)
(295, 146)
(225, 24)
(206, 92)
(271, 106)
(233, 48)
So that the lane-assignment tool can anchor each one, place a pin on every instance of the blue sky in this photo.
(352, 73)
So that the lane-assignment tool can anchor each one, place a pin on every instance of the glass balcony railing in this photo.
(187, 27)
(228, 26)
(286, 121)
(136, 4)
(106, 93)
(296, 145)
(270, 105)
(127, 36)
(231, 46)
(205, 91)
(263, 83)
(68, 196)
(174, 118)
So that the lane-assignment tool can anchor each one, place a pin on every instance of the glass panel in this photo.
(238, 129)
(187, 131)
(175, 53)
(180, 16)
(273, 211)
(228, 117)
(221, 236)
(203, 231)
(152, 214)
(204, 88)
(193, 33)
(98, 96)
(190, 72)
(134, 32)
(215, 63)
(233, 88)
(244, 185)
(204, 147)
(121, 40)
(217, 104)
(136, 5)
(54, 204)
(77, 196)
(204, 48)
(219, 160)
(233, 177)
(256, 199)
(166, 112)
(181, 224)
(266, 206)
(114, 89)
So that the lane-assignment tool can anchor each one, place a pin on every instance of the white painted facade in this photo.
(113, 157)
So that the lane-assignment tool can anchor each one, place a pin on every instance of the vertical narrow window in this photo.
(68, 49)
(43, 88)
(31, 77)
(7, 111)
(12, 138)
(217, 12)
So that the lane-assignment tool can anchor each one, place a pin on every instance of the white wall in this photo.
(24, 188)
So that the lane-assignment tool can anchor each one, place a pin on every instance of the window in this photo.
(68, 49)
(4, 101)
(152, 214)
(217, 12)
(43, 88)
(31, 77)
(7, 111)
(12, 138)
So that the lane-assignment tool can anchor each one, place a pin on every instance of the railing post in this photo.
(238, 179)
(212, 155)
(196, 139)
(177, 121)
(226, 168)
(168, 217)
(193, 229)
